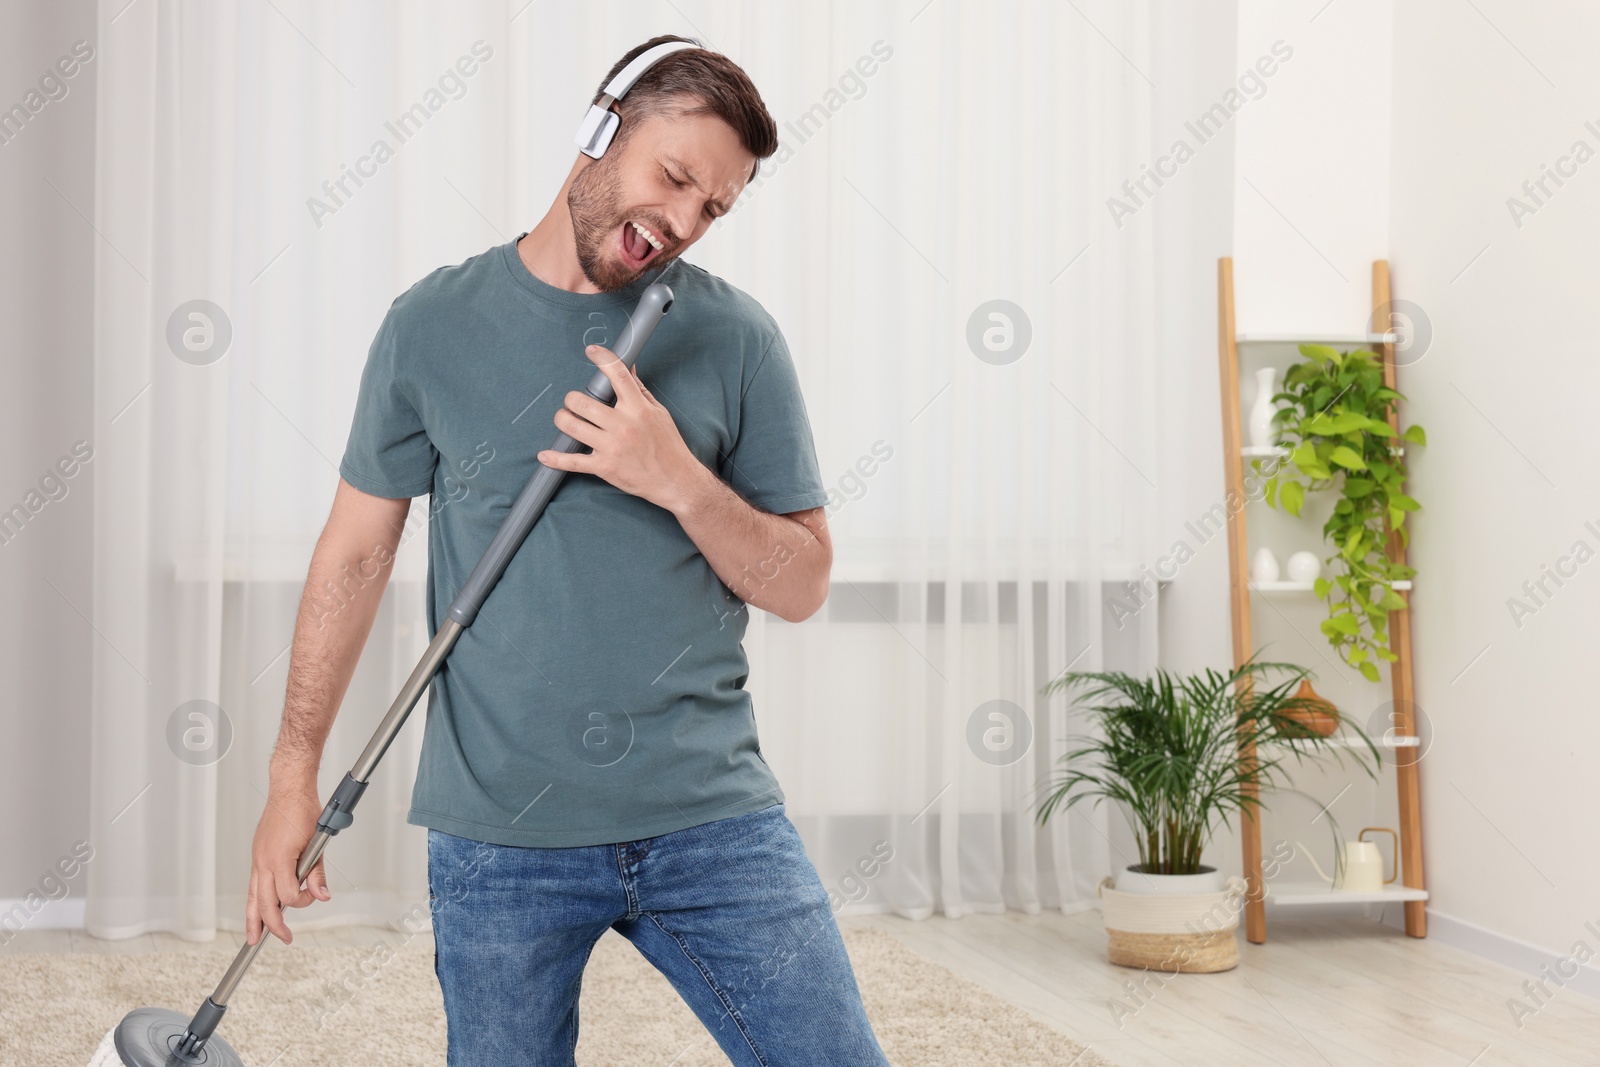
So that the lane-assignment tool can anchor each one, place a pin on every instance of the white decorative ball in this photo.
(1304, 567)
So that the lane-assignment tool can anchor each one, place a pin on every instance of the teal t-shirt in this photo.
(599, 696)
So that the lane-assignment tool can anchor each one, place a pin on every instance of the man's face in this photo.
(672, 176)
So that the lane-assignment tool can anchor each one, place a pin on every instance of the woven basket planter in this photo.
(1189, 934)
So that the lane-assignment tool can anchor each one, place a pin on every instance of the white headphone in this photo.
(600, 123)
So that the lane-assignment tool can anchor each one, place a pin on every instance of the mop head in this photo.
(146, 1039)
(106, 1054)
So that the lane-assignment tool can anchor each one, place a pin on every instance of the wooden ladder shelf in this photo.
(1403, 736)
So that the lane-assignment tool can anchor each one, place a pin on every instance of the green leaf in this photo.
(1415, 435)
(1356, 488)
(1369, 672)
(1292, 494)
(1345, 623)
(1381, 428)
(1321, 588)
(1396, 518)
(1320, 353)
(1403, 502)
(1271, 491)
(1392, 601)
(1347, 457)
(1336, 424)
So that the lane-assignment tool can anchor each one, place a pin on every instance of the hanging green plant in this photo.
(1334, 422)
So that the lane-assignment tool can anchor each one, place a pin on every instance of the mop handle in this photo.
(529, 505)
(536, 494)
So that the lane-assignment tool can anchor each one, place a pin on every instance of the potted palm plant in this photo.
(1167, 752)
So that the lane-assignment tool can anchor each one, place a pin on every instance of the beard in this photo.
(594, 203)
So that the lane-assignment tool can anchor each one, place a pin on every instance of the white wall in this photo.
(1310, 200)
(1193, 227)
(46, 299)
(1483, 99)
(1190, 234)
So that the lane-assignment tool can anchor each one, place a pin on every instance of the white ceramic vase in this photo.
(1262, 431)
(1263, 566)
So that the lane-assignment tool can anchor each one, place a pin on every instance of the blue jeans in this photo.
(731, 912)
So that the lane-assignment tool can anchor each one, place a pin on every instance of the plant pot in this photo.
(1173, 931)
(1206, 880)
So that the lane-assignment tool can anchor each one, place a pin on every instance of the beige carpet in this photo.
(351, 1007)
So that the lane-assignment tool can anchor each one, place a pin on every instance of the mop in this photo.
(157, 1037)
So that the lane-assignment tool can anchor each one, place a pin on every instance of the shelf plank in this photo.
(1386, 741)
(1318, 338)
(1403, 585)
(1261, 451)
(1292, 893)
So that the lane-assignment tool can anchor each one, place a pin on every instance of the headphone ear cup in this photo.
(608, 130)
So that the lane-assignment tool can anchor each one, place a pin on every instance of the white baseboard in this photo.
(64, 914)
(1513, 953)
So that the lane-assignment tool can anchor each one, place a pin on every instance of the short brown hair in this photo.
(719, 84)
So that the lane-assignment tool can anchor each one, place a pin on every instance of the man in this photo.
(590, 759)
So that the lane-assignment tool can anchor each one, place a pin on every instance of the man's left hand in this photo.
(634, 445)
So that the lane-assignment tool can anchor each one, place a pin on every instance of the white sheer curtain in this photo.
(972, 564)
(937, 157)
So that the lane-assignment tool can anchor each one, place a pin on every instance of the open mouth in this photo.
(639, 243)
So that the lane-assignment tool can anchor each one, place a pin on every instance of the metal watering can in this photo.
(1363, 863)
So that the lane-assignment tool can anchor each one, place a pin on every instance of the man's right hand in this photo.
(287, 823)
(361, 529)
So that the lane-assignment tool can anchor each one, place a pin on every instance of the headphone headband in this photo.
(600, 123)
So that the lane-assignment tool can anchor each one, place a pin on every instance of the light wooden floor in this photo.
(1323, 993)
